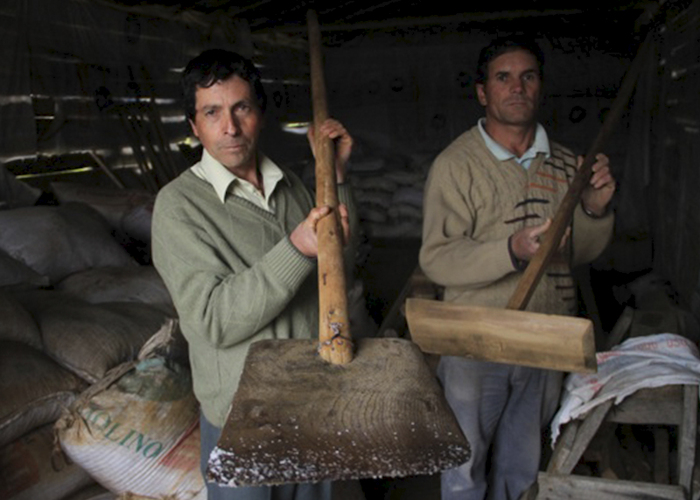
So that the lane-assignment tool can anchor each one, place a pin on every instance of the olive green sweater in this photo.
(474, 202)
(234, 276)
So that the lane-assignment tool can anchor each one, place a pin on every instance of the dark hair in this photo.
(217, 65)
(502, 45)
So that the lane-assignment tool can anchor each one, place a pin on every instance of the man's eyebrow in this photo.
(209, 106)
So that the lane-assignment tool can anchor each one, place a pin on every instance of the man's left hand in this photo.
(599, 192)
(335, 131)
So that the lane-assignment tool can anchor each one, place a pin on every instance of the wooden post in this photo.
(335, 341)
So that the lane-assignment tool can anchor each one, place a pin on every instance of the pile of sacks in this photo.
(388, 191)
(96, 397)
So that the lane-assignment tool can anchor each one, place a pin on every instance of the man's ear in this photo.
(193, 127)
(480, 94)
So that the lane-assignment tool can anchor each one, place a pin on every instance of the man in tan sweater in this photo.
(489, 196)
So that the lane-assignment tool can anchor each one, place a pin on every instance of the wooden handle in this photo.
(550, 243)
(335, 341)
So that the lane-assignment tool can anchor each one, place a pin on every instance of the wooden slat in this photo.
(687, 440)
(505, 336)
(619, 331)
(567, 456)
(661, 450)
(557, 487)
(657, 405)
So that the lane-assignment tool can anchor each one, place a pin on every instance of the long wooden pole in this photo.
(335, 341)
(531, 277)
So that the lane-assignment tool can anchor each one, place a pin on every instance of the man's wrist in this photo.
(518, 264)
(591, 213)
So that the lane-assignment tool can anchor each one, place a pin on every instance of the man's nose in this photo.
(518, 86)
(232, 125)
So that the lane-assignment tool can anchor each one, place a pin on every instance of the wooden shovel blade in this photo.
(502, 335)
(298, 419)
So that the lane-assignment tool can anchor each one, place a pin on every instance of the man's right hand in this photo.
(526, 241)
(304, 235)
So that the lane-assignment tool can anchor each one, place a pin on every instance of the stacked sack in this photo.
(137, 429)
(388, 190)
(78, 307)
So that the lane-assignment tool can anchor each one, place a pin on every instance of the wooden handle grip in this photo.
(335, 341)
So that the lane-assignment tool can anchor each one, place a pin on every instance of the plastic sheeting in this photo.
(637, 363)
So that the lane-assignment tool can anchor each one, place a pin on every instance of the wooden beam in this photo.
(651, 406)
(556, 487)
(619, 331)
(505, 336)
(687, 437)
(409, 22)
(576, 438)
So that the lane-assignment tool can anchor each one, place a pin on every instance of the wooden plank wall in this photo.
(674, 145)
(73, 65)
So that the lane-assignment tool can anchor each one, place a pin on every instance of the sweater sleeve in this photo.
(223, 303)
(449, 254)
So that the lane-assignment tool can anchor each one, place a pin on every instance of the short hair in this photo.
(218, 65)
(503, 45)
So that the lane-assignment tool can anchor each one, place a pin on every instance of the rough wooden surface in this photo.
(334, 337)
(688, 437)
(558, 487)
(575, 439)
(516, 337)
(666, 405)
(296, 418)
(654, 405)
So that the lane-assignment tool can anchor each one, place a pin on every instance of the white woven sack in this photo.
(137, 431)
(27, 471)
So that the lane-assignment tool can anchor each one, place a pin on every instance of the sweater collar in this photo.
(539, 145)
(223, 180)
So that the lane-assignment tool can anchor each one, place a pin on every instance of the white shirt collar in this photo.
(223, 180)
(539, 145)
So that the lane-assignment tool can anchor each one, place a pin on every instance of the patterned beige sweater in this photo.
(474, 202)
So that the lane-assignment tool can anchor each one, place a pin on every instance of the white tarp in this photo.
(637, 363)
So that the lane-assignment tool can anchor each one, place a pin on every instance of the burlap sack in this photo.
(33, 390)
(56, 241)
(113, 204)
(27, 471)
(119, 284)
(89, 339)
(14, 273)
(16, 323)
(137, 431)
